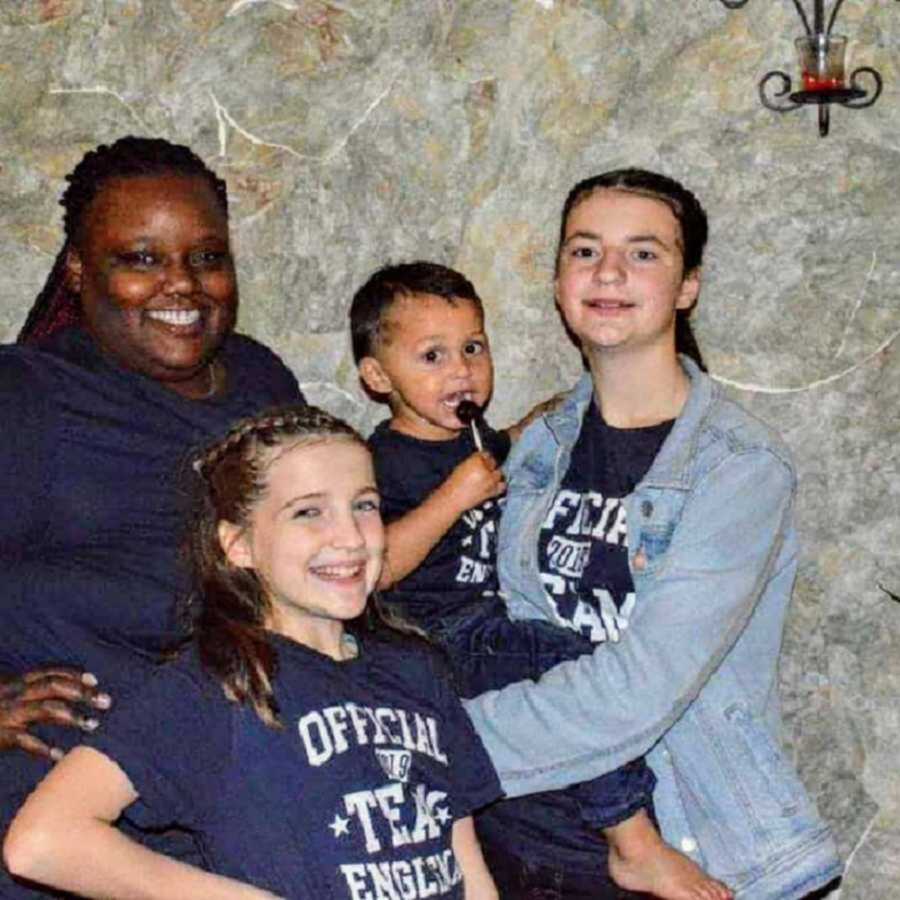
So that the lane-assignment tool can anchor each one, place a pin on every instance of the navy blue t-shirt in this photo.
(462, 564)
(94, 469)
(582, 545)
(93, 463)
(354, 797)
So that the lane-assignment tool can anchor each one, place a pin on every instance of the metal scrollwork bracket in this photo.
(775, 87)
(854, 97)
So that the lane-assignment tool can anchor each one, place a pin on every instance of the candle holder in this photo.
(821, 58)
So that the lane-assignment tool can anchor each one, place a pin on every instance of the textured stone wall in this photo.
(358, 131)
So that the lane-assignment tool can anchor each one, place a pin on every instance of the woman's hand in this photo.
(52, 695)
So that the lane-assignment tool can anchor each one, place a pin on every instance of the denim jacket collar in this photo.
(671, 468)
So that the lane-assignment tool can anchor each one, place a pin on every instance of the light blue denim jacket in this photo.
(692, 683)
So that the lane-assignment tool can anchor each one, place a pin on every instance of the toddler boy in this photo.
(419, 342)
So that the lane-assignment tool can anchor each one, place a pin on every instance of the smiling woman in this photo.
(126, 364)
(621, 275)
(154, 272)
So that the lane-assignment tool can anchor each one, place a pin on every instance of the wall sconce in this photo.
(821, 59)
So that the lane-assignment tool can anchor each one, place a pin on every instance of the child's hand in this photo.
(547, 406)
(474, 480)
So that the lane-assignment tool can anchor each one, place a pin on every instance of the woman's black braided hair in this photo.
(129, 157)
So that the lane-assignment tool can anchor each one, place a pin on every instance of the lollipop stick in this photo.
(476, 436)
(469, 412)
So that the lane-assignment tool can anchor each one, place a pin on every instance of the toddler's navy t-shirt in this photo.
(462, 564)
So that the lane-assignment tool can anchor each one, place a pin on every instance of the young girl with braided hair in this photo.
(310, 759)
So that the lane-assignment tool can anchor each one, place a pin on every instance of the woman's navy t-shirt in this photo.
(93, 467)
(354, 797)
(582, 546)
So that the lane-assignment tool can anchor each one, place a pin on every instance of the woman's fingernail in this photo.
(103, 701)
(56, 754)
(89, 679)
(89, 724)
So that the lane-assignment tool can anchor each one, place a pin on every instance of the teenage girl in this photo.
(309, 761)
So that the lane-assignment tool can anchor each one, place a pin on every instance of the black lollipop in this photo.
(468, 412)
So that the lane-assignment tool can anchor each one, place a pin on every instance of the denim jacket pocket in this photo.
(653, 516)
(654, 542)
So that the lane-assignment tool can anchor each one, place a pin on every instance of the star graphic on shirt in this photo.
(442, 814)
(340, 825)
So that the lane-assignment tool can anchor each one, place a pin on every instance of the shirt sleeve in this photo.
(171, 738)
(721, 558)
(25, 470)
(262, 372)
(397, 494)
(474, 781)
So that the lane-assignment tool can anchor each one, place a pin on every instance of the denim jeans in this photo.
(519, 879)
(488, 651)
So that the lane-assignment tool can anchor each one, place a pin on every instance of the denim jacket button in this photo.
(688, 845)
(646, 509)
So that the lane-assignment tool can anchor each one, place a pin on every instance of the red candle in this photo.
(822, 61)
(815, 82)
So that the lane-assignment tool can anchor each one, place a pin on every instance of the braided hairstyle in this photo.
(129, 157)
(229, 606)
